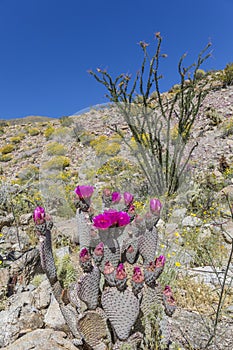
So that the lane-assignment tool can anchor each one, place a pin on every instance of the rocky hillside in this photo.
(42, 161)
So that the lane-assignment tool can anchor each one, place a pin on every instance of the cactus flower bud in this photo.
(39, 215)
(84, 255)
(99, 249)
(155, 206)
(160, 261)
(128, 198)
(137, 275)
(120, 272)
(116, 197)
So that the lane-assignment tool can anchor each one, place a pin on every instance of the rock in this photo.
(191, 330)
(67, 228)
(191, 221)
(209, 275)
(63, 251)
(6, 220)
(20, 316)
(42, 295)
(53, 317)
(4, 279)
(25, 219)
(46, 339)
(227, 231)
(178, 215)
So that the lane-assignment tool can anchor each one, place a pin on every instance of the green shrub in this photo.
(104, 145)
(200, 73)
(15, 139)
(7, 148)
(227, 75)
(49, 131)
(56, 149)
(113, 166)
(57, 162)
(66, 121)
(5, 158)
(227, 127)
(33, 131)
(61, 133)
(214, 117)
(28, 172)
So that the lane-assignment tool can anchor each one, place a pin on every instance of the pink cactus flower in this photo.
(128, 198)
(99, 249)
(155, 206)
(39, 215)
(84, 191)
(123, 219)
(130, 249)
(102, 221)
(160, 261)
(116, 197)
(167, 291)
(120, 272)
(112, 214)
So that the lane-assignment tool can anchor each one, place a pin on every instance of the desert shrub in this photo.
(104, 145)
(114, 166)
(1, 130)
(227, 127)
(66, 121)
(49, 131)
(15, 139)
(28, 172)
(66, 272)
(57, 162)
(214, 117)
(61, 133)
(33, 131)
(226, 76)
(163, 163)
(7, 148)
(5, 158)
(55, 148)
(200, 73)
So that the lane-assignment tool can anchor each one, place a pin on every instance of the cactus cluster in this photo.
(119, 286)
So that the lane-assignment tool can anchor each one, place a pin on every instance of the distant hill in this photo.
(27, 119)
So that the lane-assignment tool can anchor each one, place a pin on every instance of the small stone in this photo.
(191, 221)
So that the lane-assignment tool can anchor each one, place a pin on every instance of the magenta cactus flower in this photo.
(160, 261)
(102, 221)
(112, 214)
(116, 197)
(120, 272)
(123, 218)
(39, 215)
(155, 206)
(84, 192)
(128, 198)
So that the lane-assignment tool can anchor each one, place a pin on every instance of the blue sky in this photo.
(47, 47)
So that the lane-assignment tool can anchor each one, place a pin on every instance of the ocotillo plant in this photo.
(109, 305)
(151, 115)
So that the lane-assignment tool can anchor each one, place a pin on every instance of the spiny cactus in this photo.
(118, 295)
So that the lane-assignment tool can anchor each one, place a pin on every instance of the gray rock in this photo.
(191, 221)
(178, 215)
(63, 251)
(42, 295)
(6, 220)
(53, 317)
(25, 219)
(67, 228)
(46, 339)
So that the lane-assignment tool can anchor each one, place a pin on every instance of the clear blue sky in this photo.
(47, 47)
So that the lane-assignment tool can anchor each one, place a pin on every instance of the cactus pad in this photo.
(88, 288)
(122, 309)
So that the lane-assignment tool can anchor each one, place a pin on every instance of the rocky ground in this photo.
(30, 316)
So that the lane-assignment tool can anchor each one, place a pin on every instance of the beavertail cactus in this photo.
(113, 295)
